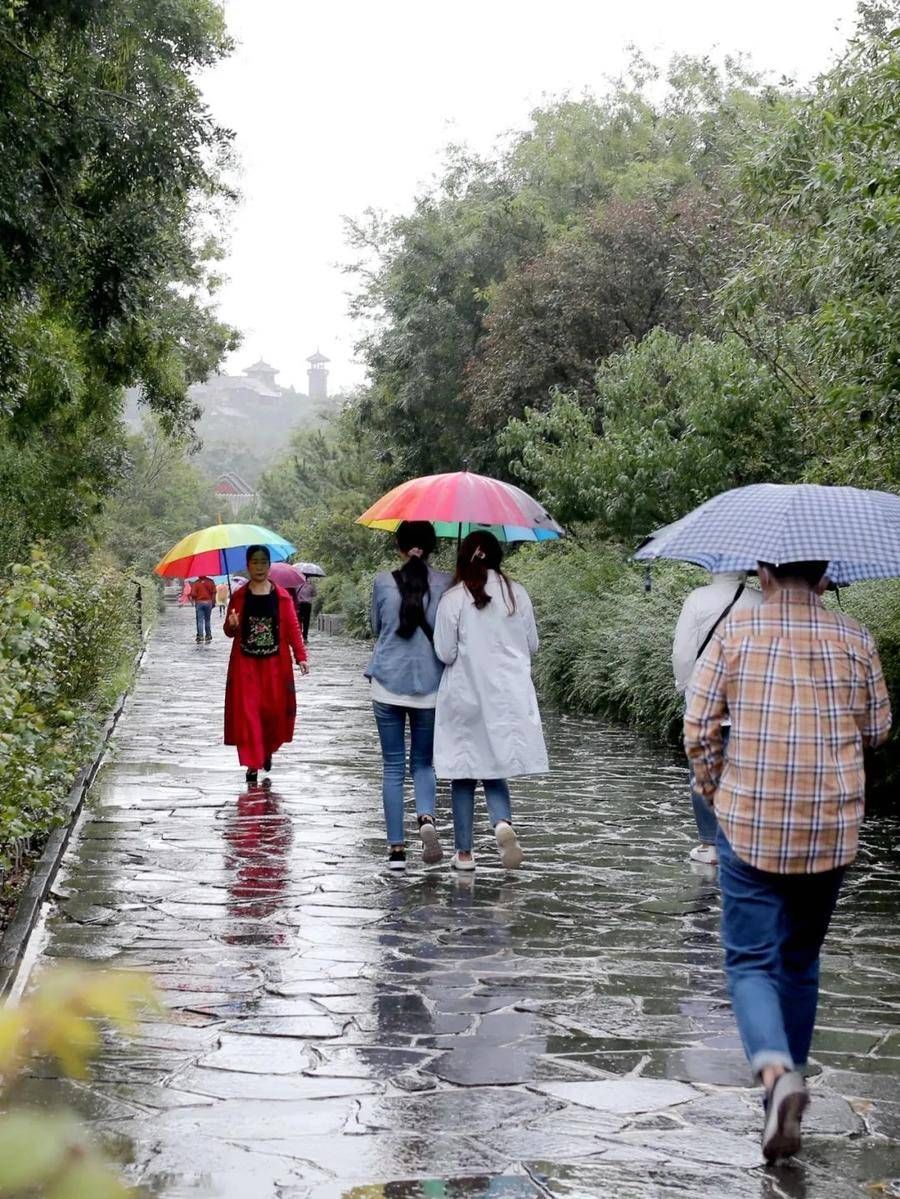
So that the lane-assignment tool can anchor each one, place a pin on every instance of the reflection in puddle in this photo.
(259, 834)
(501, 1187)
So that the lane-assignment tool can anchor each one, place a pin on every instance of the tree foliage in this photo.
(819, 299)
(670, 421)
(616, 276)
(111, 184)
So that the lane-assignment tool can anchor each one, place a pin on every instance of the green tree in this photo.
(160, 497)
(111, 184)
(673, 422)
(819, 300)
(610, 280)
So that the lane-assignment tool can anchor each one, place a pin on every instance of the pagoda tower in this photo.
(318, 376)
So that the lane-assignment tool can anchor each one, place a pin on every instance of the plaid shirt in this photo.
(804, 690)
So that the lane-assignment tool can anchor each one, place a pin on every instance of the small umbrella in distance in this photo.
(310, 569)
(286, 575)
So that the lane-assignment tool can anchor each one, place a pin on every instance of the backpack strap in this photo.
(706, 640)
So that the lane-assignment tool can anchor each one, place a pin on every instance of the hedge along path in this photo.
(14, 968)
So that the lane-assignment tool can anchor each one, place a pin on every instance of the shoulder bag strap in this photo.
(706, 640)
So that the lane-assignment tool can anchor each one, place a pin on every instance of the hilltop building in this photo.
(318, 376)
(236, 493)
(246, 422)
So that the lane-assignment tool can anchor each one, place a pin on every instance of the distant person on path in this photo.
(260, 699)
(487, 723)
(405, 672)
(222, 598)
(185, 598)
(306, 594)
(203, 596)
(805, 692)
(702, 613)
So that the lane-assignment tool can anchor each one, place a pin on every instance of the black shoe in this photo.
(208, 639)
(397, 859)
(252, 776)
(267, 765)
(199, 639)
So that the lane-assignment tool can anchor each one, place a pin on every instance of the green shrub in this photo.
(64, 635)
(877, 606)
(605, 641)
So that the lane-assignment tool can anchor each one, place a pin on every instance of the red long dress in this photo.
(260, 700)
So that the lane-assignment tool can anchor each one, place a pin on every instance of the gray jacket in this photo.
(406, 666)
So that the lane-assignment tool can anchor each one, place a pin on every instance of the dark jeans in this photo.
(391, 721)
(203, 613)
(462, 794)
(707, 825)
(773, 926)
(304, 612)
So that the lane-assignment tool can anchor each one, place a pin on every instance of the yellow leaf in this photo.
(32, 1149)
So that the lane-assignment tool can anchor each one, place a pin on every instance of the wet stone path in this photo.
(335, 1031)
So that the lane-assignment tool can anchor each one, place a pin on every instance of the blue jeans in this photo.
(707, 825)
(773, 926)
(203, 613)
(391, 722)
(462, 794)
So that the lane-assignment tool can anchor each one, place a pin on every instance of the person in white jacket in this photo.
(487, 722)
(703, 611)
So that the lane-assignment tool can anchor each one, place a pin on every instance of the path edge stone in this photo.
(28, 909)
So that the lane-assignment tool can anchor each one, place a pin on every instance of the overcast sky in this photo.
(344, 104)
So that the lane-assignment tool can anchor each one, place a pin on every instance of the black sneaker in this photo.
(208, 639)
(267, 765)
(397, 859)
(252, 776)
(199, 639)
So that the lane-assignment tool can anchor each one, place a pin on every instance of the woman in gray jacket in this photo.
(405, 672)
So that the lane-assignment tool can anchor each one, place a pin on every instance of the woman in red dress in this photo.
(260, 700)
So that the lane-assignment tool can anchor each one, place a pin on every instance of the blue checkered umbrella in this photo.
(856, 531)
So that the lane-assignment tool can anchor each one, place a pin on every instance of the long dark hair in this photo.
(416, 538)
(479, 553)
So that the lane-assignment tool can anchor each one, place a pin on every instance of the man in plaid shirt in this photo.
(804, 690)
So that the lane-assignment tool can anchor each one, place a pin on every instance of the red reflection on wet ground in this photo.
(260, 834)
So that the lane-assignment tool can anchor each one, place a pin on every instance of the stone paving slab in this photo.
(332, 1031)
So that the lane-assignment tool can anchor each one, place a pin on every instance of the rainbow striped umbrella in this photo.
(459, 502)
(220, 550)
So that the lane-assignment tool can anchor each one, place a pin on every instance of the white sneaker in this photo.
(431, 845)
(706, 854)
(785, 1105)
(465, 864)
(508, 843)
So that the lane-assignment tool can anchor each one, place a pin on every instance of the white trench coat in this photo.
(487, 723)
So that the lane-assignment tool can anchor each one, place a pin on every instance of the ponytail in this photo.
(479, 553)
(417, 539)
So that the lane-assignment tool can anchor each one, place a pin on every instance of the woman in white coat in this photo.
(487, 723)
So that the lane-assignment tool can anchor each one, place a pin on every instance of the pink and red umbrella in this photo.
(461, 501)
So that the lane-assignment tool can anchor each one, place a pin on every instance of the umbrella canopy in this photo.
(459, 502)
(310, 569)
(857, 532)
(220, 550)
(286, 576)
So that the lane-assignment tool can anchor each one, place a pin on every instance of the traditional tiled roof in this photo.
(231, 483)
